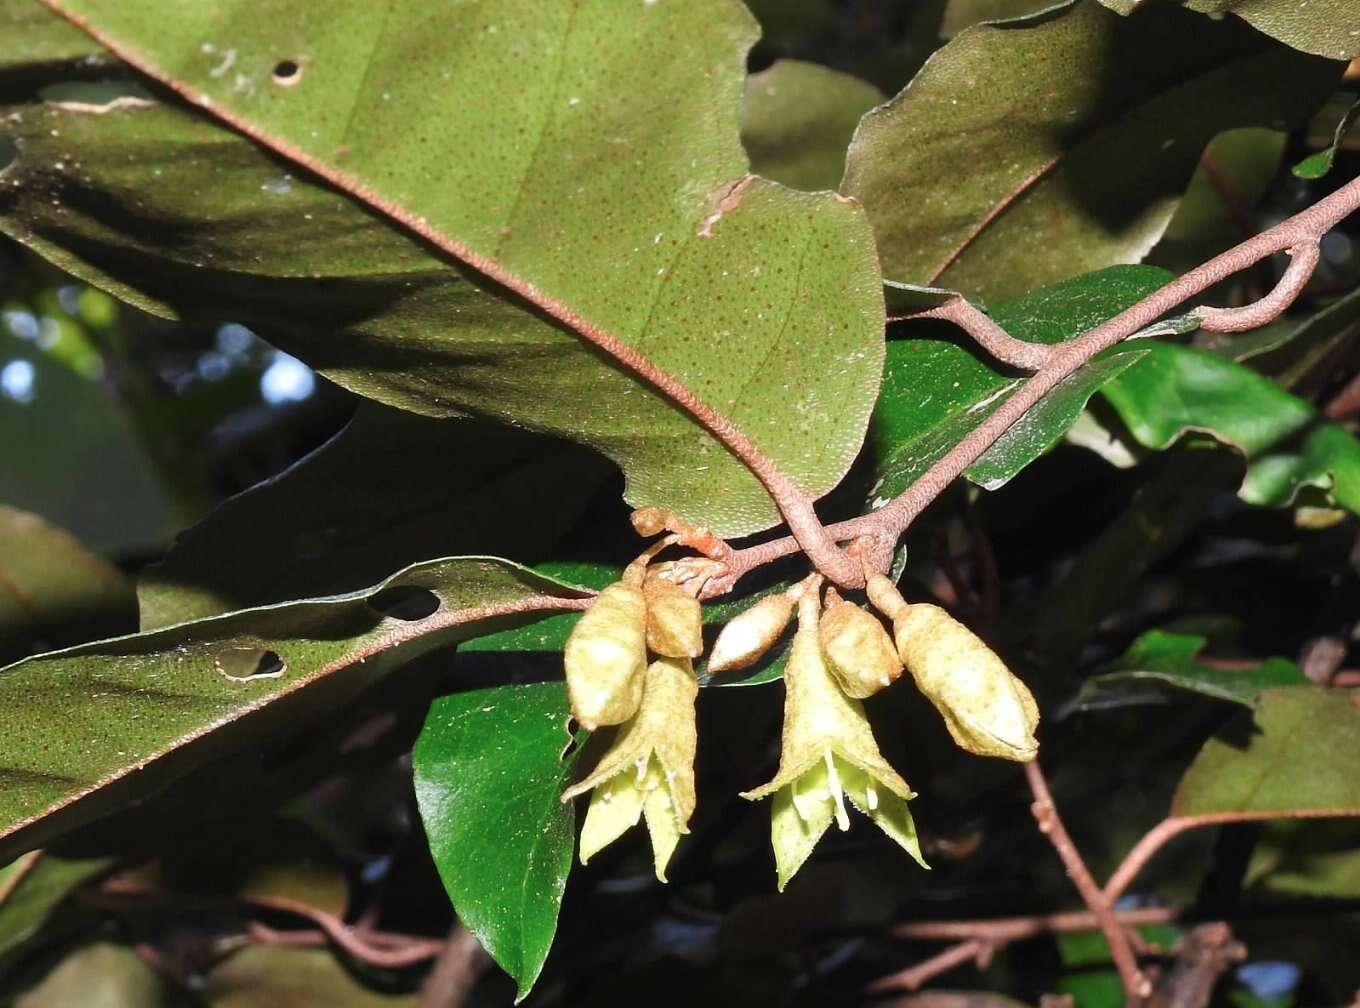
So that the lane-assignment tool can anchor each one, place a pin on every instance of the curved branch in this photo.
(988, 335)
(1300, 233)
(1304, 259)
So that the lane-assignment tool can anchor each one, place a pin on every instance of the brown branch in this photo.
(915, 977)
(455, 971)
(1156, 838)
(1303, 260)
(978, 940)
(1136, 986)
(1201, 958)
(988, 335)
(1000, 930)
(882, 528)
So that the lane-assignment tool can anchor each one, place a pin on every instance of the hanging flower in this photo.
(828, 755)
(648, 772)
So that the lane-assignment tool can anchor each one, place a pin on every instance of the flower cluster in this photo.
(841, 654)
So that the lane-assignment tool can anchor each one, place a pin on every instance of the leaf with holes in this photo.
(53, 590)
(489, 774)
(1061, 125)
(1288, 445)
(92, 726)
(1169, 659)
(364, 503)
(1326, 27)
(1293, 756)
(576, 226)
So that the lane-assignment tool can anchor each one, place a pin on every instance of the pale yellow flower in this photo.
(828, 755)
(648, 772)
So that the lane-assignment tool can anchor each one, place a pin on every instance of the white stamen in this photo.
(834, 782)
(870, 796)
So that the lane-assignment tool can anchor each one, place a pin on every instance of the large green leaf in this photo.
(935, 390)
(53, 590)
(1297, 757)
(489, 773)
(1326, 27)
(797, 120)
(1176, 389)
(1036, 149)
(589, 171)
(87, 728)
(1170, 658)
(391, 489)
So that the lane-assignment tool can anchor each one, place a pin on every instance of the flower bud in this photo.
(674, 619)
(858, 650)
(987, 710)
(649, 770)
(748, 635)
(827, 754)
(650, 521)
(605, 657)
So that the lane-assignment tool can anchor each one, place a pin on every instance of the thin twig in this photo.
(988, 335)
(1154, 839)
(1303, 260)
(1136, 986)
(917, 976)
(455, 971)
(999, 930)
(1300, 232)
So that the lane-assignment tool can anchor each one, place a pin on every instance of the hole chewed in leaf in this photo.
(242, 664)
(287, 73)
(405, 602)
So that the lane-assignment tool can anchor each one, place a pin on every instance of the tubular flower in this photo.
(649, 770)
(750, 634)
(828, 754)
(858, 650)
(987, 710)
(605, 657)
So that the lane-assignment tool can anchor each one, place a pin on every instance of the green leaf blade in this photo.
(489, 774)
(590, 219)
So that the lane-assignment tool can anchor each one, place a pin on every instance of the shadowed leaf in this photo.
(1061, 125)
(88, 727)
(584, 213)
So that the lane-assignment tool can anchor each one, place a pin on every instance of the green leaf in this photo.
(268, 976)
(913, 427)
(1319, 163)
(1288, 445)
(1298, 858)
(1233, 175)
(582, 217)
(1169, 658)
(88, 728)
(53, 590)
(1033, 150)
(797, 120)
(31, 887)
(489, 774)
(391, 489)
(1297, 758)
(102, 975)
(1326, 27)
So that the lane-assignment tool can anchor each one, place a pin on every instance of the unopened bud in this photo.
(650, 521)
(750, 634)
(605, 657)
(674, 619)
(987, 710)
(858, 650)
